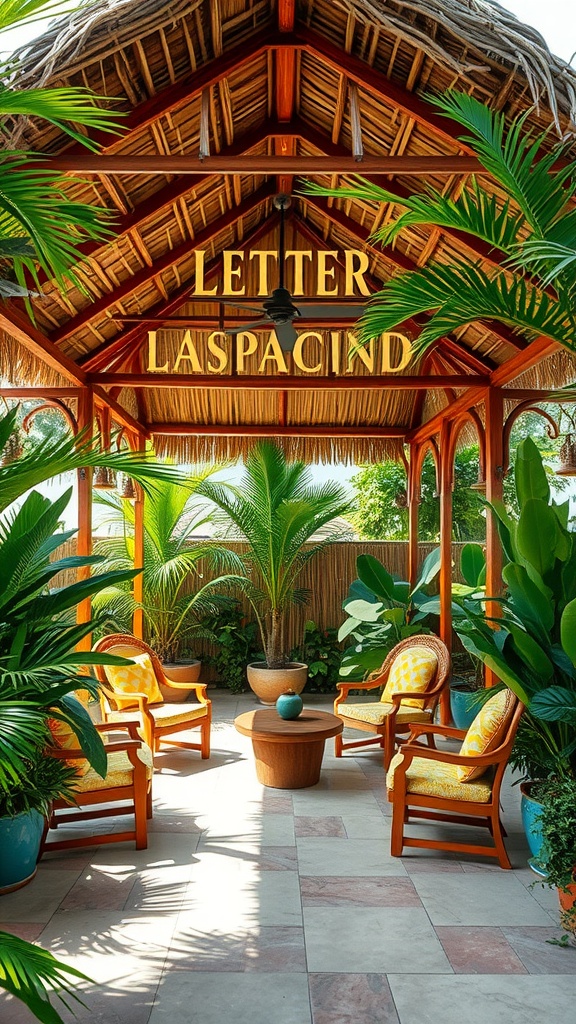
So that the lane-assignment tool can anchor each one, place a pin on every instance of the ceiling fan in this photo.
(279, 309)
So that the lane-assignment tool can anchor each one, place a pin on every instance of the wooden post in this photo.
(446, 474)
(138, 587)
(414, 471)
(84, 541)
(494, 406)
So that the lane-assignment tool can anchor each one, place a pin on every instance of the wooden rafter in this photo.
(273, 430)
(173, 256)
(133, 337)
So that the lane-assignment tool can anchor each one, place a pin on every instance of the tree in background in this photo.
(381, 489)
(382, 503)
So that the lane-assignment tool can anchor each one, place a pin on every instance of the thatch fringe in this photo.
(552, 373)
(489, 30)
(21, 368)
(326, 451)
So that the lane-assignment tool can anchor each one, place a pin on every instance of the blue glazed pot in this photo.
(20, 839)
(289, 705)
(462, 707)
(530, 809)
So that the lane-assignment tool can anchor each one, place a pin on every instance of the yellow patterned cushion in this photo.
(119, 772)
(139, 677)
(376, 712)
(65, 738)
(434, 778)
(411, 671)
(486, 731)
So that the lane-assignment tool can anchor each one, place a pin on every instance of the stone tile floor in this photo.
(261, 906)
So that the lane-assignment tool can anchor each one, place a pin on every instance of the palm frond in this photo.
(60, 106)
(31, 974)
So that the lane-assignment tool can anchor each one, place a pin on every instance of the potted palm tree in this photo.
(277, 510)
(174, 609)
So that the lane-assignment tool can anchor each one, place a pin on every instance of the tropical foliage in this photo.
(277, 510)
(532, 648)
(535, 226)
(557, 822)
(382, 512)
(175, 601)
(383, 610)
(55, 455)
(40, 224)
(30, 973)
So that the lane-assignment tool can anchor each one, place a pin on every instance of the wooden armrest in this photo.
(201, 695)
(131, 727)
(412, 750)
(368, 684)
(141, 699)
(429, 728)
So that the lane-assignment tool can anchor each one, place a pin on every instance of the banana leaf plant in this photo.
(531, 644)
(383, 610)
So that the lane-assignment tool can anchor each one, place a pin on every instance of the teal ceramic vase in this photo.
(289, 705)
(20, 839)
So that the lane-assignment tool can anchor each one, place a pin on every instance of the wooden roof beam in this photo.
(286, 382)
(274, 430)
(285, 91)
(412, 166)
(147, 274)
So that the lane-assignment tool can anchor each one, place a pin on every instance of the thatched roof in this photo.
(266, 78)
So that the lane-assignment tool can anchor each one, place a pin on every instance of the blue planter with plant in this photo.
(20, 839)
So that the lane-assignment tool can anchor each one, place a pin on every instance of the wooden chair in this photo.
(159, 721)
(127, 789)
(422, 783)
(386, 719)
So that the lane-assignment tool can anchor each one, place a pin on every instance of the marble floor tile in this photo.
(329, 825)
(491, 899)
(267, 949)
(40, 899)
(223, 998)
(358, 892)
(354, 857)
(484, 999)
(367, 826)
(539, 956)
(373, 939)
(479, 950)
(351, 999)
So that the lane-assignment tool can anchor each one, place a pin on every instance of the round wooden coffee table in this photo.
(288, 753)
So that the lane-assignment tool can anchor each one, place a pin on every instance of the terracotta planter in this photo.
(269, 683)
(568, 911)
(179, 672)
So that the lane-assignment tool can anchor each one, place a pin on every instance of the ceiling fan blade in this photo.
(209, 299)
(287, 335)
(246, 327)
(344, 312)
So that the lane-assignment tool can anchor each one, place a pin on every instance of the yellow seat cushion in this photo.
(376, 712)
(434, 778)
(120, 771)
(411, 671)
(165, 714)
(486, 732)
(139, 677)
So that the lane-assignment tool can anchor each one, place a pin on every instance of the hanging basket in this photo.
(567, 465)
(104, 479)
(401, 499)
(127, 490)
(13, 449)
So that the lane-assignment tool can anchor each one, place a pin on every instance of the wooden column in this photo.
(84, 539)
(494, 405)
(446, 475)
(414, 471)
(138, 587)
